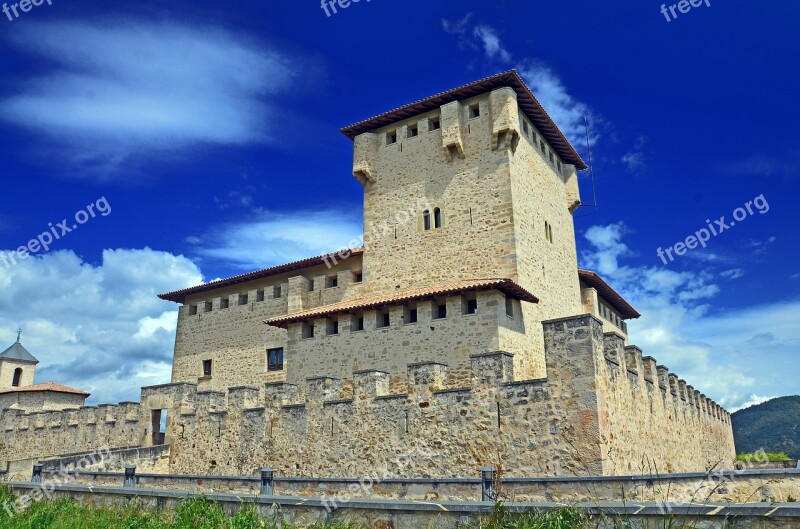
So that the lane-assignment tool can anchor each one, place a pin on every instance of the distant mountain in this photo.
(773, 425)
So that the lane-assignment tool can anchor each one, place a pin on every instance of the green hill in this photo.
(773, 425)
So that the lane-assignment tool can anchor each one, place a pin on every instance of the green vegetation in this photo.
(200, 513)
(773, 426)
(756, 458)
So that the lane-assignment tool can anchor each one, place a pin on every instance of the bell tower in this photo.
(17, 366)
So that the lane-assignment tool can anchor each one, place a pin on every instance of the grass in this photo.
(201, 513)
(761, 455)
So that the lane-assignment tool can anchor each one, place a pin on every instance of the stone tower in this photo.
(499, 184)
(17, 366)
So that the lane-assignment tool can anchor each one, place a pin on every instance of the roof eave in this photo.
(509, 288)
(526, 99)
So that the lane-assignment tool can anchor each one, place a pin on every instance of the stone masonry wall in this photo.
(236, 339)
(52, 433)
(572, 423)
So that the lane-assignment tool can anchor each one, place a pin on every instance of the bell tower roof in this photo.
(18, 353)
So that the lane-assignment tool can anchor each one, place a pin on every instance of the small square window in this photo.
(413, 131)
(383, 319)
(332, 327)
(434, 124)
(440, 309)
(308, 329)
(509, 307)
(410, 315)
(224, 303)
(243, 299)
(470, 305)
(391, 138)
(192, 310)
(356, 322)
(275, 359)
(260, 295)
(474, 111)
(206, 368)
(332, 282)
(208, 306)
(276, 292)
(358, 277)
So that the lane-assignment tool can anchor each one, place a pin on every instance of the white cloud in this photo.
(98, 328)
(120, 88)
(728, 354)
(753, 400)
(273, 238)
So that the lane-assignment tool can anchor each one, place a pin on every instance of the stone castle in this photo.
(458, 333)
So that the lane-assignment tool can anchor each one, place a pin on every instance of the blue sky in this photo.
(211, 130)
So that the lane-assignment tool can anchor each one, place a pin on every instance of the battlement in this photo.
(644, 371)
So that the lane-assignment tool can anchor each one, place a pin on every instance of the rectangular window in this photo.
(224, 303)
(332, 327)
(410, 315)
(413, 131)
(332, 282)
(542, 146)
(243, 299)
(525, 128)
(434, 124)
(470, 304)
(275, 359)
(358, 277)
(206, 368)
(311, 285)
(260, 295)
(382, 319)
(208, 306)
(474, 111)
(276, 292)
(192, 310)
(356, 322)
(552, 158)
(391, 138)
(440, 309)
(509, 307)
(308, 329)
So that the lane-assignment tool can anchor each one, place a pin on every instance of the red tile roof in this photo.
(608, 293)
(179, 296)
(525, 98)
(504, 285)
(47, 386)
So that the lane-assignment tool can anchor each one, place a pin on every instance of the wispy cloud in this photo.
(270, 238)
(567, 112)
(759, 165)
(133, 87)
(728, 354)
(734, 273)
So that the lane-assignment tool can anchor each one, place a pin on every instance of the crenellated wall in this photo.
(600, 411)
(52, 433)
(604, 409)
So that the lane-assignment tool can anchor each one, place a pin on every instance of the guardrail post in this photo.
(36, 477)
(130, 477)
(488, 477)
(267, 481)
